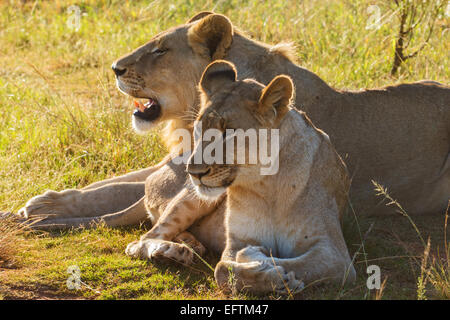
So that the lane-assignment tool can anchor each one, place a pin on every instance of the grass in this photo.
(435, 270)
(11, 240)
(100, 256)
(63, 124)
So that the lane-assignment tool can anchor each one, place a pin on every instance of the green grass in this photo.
(106, 273)
(63, 124)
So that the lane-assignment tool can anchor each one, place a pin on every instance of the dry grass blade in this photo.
(382, 191)
(422, 280)
(433, 270)
(379, 292)
(438, 272)
(11, 232)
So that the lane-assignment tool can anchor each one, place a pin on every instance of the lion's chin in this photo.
(210, 193)
(141, 126)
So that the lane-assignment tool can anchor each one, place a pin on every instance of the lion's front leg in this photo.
(83, 203)
(102, 197)
(168, 239)
(133, 215)
(179, 215)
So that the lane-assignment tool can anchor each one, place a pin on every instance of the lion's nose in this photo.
(118, 70)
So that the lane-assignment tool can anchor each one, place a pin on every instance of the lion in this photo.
(397, 135)
(282, 229)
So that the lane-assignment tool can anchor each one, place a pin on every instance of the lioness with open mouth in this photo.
(282, 229)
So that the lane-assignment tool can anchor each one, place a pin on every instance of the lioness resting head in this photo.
(281, 229)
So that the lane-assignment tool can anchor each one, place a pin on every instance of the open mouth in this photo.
(147, 111)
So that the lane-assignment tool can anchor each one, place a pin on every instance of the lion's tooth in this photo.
(149, 103)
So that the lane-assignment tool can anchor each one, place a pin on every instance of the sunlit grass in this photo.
(63, 124)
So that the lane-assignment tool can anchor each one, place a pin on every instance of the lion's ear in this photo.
(211, 36)
(199, 16)
(276, 97)
(216, 75)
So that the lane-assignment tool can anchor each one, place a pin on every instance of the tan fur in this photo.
(397, 135)
(286, 50)
(282, 230)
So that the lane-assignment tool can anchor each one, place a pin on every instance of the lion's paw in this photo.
(289, 284)
(282, 282)
(133, 249)
(252, 253)
(259, 277)
(12, 217)
(190, 241)
(51, 204)
(155, 249)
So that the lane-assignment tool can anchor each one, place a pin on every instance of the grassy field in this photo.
(63, 124)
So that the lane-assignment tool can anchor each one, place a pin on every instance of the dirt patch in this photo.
(26, 292)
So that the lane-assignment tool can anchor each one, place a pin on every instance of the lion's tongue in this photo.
(139, 105)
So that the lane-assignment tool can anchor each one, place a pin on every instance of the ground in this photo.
(63, 124)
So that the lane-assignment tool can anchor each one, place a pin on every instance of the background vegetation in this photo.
(63, 124)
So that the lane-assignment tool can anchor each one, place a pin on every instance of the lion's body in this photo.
(398, 136)
(299, 226)
(282, 228)
(402, 147)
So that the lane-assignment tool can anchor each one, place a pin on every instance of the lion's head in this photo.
(166, 70)
(227, 131)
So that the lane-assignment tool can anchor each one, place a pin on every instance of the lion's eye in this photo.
(158, 51)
